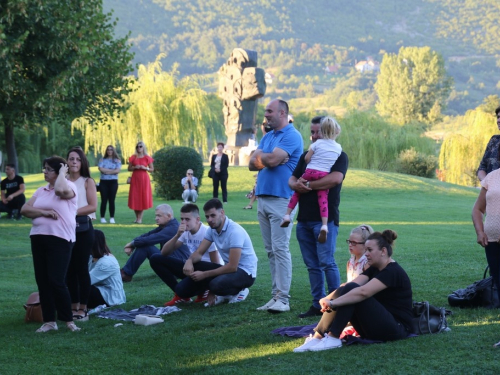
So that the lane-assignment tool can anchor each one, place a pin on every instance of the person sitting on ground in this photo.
(144, 245)
(12, 191)
(189, 183)
(104, 270)
(378, 302)
(231, 281)
(320, 158)
(358, 263)
(191, 233)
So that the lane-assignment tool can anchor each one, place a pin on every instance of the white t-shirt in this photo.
(326, 153)
(193, 241)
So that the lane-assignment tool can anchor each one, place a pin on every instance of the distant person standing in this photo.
(109, 166)
(490, 160)
(275, 159)
(219, 164)
(140, 196)
(12, 193)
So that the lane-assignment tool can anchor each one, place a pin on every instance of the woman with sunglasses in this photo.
(109, 166)
(140, 197)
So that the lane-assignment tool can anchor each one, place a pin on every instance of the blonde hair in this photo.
(144, 148)
(364, 231)
(330, 128)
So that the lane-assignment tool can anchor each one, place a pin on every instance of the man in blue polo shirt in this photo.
(275, 159)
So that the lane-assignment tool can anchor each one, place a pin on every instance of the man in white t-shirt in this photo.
(228, 282)
(191, 233)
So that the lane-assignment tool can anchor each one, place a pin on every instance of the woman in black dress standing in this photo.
(219, 164)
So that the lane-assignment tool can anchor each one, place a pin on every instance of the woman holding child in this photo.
(378, 303)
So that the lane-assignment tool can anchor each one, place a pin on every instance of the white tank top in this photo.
(82, 194)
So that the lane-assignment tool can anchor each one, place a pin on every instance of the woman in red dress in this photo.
(140, 197)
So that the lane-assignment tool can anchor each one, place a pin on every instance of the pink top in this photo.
(65, 226)
(492, 221)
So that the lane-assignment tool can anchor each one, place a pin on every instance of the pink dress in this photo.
(140, 196)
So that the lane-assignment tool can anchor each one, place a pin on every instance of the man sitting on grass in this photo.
(227, 283)
(189, 183)
(191, 233)
(143, 247)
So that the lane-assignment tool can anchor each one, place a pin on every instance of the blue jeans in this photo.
(138, 257)
(319, 258)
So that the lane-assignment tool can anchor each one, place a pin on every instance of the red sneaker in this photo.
(174, 301)
(202, 297)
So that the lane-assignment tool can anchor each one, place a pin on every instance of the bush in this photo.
(171, 164)
(416, 163)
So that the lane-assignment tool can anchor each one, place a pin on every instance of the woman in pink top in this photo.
(488, 232)
(53, 210)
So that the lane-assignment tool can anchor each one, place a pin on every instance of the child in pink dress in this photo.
(320, 158)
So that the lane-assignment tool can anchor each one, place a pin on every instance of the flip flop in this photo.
(247, 207)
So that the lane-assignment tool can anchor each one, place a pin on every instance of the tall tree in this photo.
(59, 60)
(412, 85)
(162, 110)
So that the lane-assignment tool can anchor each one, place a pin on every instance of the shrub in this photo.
(171, 164)
(416, 163)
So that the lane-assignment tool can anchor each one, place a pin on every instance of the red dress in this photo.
(139, 196)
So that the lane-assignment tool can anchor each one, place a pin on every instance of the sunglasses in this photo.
(138, 146)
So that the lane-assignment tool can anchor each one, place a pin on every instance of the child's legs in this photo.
(293, 202)
(323, 205)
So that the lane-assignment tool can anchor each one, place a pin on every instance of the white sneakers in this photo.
(271, 302)
(103, 220)
(240, 297)
(316, 345)
(111, 220)
(279, 307)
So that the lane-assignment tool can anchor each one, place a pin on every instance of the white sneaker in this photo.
(326, 343)
(241, 296)
(271, 302)
(279, 307)
(218, 300)
(112, 220)
(103, 220)
(307, 345)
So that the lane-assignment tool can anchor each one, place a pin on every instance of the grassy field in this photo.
(436, 246)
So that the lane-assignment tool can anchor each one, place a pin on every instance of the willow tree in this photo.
(161, 110)
(461, 152)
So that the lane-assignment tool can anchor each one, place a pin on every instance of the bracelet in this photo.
(331, 307)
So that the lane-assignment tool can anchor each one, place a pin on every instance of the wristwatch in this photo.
(307, 184)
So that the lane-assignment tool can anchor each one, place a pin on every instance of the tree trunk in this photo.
(11, 146)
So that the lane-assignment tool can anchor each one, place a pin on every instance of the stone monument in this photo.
(241, 84)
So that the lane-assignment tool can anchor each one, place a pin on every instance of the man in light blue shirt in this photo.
(228, 282)
(275, 159)
(190, 184)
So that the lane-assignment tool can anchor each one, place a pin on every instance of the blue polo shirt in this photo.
(274, 181)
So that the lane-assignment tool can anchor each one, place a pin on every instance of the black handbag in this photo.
(211, 173)
(429, 319)
(82, 223)
(482, 293)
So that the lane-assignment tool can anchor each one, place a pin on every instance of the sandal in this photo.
(72, 326)
(285, 222)
(247, 207)
(323, 233)
(81, 318)
(46, 327)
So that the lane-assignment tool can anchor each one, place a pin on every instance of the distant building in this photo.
(367, 66)
(332, 69)
(268, 77)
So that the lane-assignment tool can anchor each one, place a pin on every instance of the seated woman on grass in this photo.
(378, 302)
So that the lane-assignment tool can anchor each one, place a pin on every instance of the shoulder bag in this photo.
(82, 223)
(33, 309)
(482, 293)
(429, 319)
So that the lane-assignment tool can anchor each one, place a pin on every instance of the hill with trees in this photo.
(297, 40)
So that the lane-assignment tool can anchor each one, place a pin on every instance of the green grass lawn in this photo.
(436, 246)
